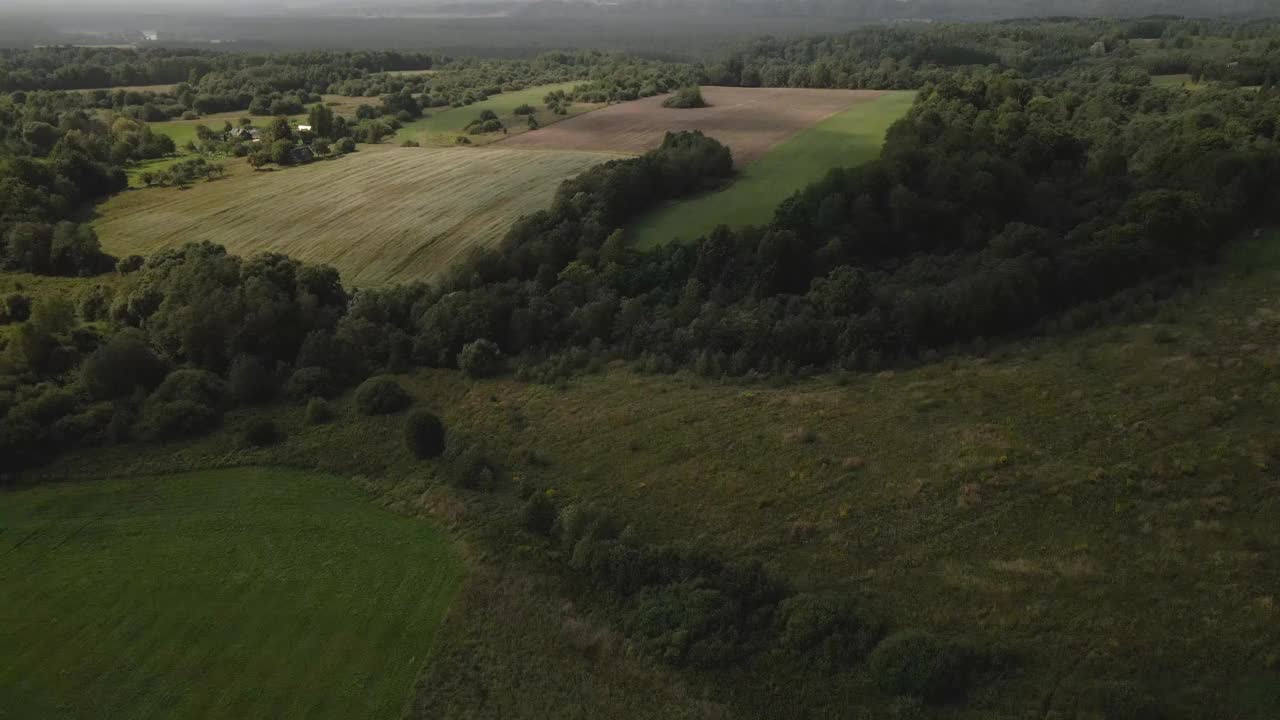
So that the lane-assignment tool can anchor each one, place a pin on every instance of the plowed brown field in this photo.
(748, 120)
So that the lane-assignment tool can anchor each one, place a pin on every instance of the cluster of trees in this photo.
(686, 97)
(487, 122)
(54, 157)
(999, 204)
(557, 101)
(183, 172)
(190, 334)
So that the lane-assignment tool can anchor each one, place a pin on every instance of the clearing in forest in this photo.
(846, 139)
(749, 120)
(442, 126)
(234, 593)
(382, 215)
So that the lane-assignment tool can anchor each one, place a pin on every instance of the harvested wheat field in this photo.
(748, 120)
(380, 216)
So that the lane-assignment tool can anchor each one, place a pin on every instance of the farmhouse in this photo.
(301, 154)
(245, 133)
(304, 128)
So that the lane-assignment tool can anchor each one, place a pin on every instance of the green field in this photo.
(1180, 80)
(226, 594)
(442, 125)
(184, 130)
(848, 138)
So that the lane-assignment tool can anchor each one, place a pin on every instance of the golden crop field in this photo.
(382, 215)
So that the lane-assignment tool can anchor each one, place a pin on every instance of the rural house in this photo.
(301, 154)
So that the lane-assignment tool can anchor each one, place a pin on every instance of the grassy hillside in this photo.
(1102, 506)
(381, 215)
(849, 138)
(443, 125)
(231, 594)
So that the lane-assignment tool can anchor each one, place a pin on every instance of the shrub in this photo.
(688, 624)
(424, 434)
(132, 263)
(249, 381)
(319, 411)
(345, 145)
(309, 382)
(467, 466)
(538, 514)
(685, 97)
(919, 664)
(17, 307)
(381, 396)
(479, 358)
(94, 303)
(523, 109)
(121, 365)
(187, 402)
(824, 629)
(261, 433)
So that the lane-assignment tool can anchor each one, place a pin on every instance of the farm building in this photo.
(245, 133)
(301, 154)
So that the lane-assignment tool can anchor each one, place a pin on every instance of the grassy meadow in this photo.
(239, 593)
(1100, 504)
(183, 131)
(443, 125)
(1182, 80)
(381, 215)
(851, 137)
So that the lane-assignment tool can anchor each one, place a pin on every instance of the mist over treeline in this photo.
(659, 28)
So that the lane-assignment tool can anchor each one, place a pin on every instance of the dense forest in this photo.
(1041, 183)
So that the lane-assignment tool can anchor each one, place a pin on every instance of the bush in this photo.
(187, 402)
(539, 514)
(424, 434)
(381, 396)
(919, 664)
(17, 307)
(261, 433)
(319, 411)
(95, 303)
(249, 381)
(685, 97)
(310, 382)
(121, 365)
(132, 263)
(524, 109)
(480, 358)
(824, 629)
(467, 466)
(345, 145)
(688, 624)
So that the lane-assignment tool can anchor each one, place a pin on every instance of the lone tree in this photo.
(686, 97)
